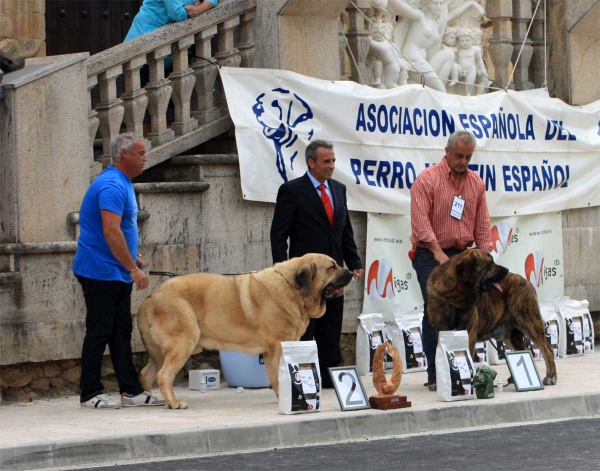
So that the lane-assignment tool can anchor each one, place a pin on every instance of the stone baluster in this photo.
(93, 123)
(520, 22)
(135, 99)
(183, 81)
(227, 56)
(246, 45)
(359, 41)
(110, 111)
(206, 75)
(538, 60)
(159, 93)
(500, 45)
(343, 44)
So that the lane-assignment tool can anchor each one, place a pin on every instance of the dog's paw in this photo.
(178, 405)
(550, 380)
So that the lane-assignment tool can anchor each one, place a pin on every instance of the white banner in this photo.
(535, 154)
(530, 246)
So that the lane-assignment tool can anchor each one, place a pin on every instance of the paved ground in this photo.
(552, 446)
(59, 433)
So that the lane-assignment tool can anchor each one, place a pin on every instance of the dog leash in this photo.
(171, 274)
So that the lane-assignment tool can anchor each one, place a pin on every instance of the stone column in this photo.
(110, 111)
(93, 123)
(227, 56)
(500, 46)
(520, 22)
(538, 60)
(206, 75)
(359, 40)
(183, 84)
(159, 93)
(134, 99)
(246, 45)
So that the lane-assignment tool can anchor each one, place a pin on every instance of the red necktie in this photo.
(326, 203)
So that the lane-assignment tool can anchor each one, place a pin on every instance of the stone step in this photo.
(190, 168)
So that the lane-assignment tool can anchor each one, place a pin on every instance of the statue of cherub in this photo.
(470, 60)
(449, 42)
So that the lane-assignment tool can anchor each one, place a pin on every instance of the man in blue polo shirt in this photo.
(106, 265)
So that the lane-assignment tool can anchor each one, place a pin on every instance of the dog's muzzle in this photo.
(492, 284)
(336, 288)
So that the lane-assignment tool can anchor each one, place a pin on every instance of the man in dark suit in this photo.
(311, 211)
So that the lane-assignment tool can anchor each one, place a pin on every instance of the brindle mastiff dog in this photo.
(250, 313)
(470, 292)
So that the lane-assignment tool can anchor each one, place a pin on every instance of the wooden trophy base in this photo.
(391, 401)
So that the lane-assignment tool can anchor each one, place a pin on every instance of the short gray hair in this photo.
(465, 137)
(311, 149)
(122, 142)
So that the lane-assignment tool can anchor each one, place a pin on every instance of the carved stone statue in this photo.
(449, 41)
(388, 69)
(418, 35)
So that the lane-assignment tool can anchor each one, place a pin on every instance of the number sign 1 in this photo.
(349, 388)
(523, 371)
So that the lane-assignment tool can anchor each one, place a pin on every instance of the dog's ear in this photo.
(465, 268)
(304, 277)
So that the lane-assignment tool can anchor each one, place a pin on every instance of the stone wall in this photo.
(23, 27)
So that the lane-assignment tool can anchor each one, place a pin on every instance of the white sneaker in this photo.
(101, 401)
(143, 399)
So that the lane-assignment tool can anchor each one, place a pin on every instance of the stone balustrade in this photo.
(510, 20)
(191, 86)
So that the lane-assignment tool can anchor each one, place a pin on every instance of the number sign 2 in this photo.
(349, 388)
(523, 371)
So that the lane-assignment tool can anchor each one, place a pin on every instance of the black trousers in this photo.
(108, 322)
(327, 331)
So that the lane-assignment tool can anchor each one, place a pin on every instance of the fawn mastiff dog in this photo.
(251, 313)
(470, 292)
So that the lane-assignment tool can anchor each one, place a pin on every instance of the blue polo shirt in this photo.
(112, 191)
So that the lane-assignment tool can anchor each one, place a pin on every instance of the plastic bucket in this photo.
(247, 371)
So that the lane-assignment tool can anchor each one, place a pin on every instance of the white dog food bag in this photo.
(408, 339)
(371, 333)
(454, 367)
(299, 378)
(551, 325)
(588, 328)
(497, 351)
(481, 354)
(570, 342)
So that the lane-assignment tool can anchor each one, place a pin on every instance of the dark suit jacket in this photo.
(300, 215)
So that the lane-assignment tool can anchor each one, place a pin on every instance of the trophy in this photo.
(386, 399)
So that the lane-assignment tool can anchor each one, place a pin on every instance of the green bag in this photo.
(484, 382)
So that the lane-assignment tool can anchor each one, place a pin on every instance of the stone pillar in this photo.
(359, 40)
(246, 45)
(23, 28)
(500, 46)
(93, 123)
(44, 148)
(110, 111)
(159, 93)
(183, 81)
(134, 99)
(206, 75)
(307, 26)
(227, 56)
(522, 14)
(538, 60)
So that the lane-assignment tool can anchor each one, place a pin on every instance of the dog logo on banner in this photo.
(380, 280)
(501, 236)
(280, 112)
(534, 268)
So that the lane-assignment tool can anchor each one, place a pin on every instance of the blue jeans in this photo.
(423, 263)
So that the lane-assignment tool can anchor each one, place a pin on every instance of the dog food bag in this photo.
(299, 378)
(454, 367)
(497, 351)
(481, 354)
(570, 342)
(371, 333)
(588, 328)
(551, 325)
(408, 338)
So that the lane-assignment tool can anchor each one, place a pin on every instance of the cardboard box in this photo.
(213, 380)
